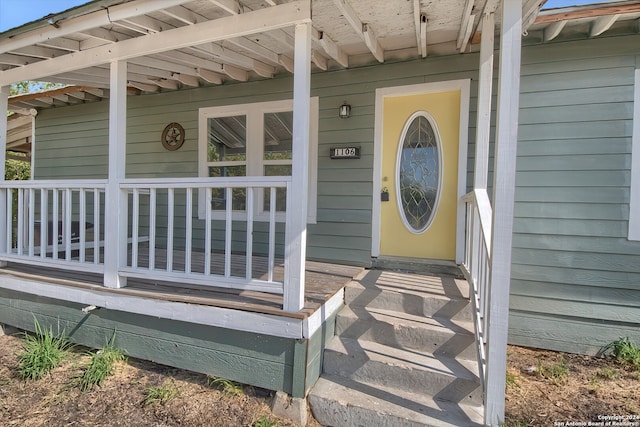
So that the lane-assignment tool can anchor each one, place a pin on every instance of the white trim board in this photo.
(634, 196)
(464, 86)
(238, 320)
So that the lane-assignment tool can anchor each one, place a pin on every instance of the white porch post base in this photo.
(115, 227)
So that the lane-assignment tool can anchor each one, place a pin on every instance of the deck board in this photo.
(323, 280)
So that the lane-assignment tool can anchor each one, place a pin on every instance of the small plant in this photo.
(228, 387)
(263, 421)
(556, 373)
(624, 350)
(101, 366)
(512, 379)
(43, 351)
(163, 394)
(608, 373)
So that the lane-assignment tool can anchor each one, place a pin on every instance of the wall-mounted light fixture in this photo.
(345, 110)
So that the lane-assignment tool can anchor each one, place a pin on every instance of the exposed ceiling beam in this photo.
(602, 24)
(14, 122)
(319, 60)
(183, 14)
(144, 86)
(209, 76)
(17, 60)
(331, 48)
(101, 34)
(163, 63)
(96, 92)
(530, 11)
(149, 24)
(286, 62)
(235, 72)
(187, 80)
(166, 83)
(265, 54)
(553, 30)
(552, 15)
(236, 59)
(363, 30)
(464, 25)
(423, 35)
(102, 17)
(62, 43)
(230, 6)
(39, 52)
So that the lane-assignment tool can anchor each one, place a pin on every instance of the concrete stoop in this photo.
(403, 355)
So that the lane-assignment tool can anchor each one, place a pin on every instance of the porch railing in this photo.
(60, 224)
(53, 223)
(477, 267)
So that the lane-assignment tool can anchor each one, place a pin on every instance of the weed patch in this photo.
(100, 367)
(625, 351)
(228, 387)
(162, 394)
(43, 351)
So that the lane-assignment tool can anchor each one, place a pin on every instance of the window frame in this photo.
(634, 184)
(255, 162)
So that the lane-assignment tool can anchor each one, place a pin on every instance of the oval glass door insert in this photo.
(419, 172)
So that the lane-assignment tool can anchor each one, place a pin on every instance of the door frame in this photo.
(464, 86)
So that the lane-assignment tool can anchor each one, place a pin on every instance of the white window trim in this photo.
(255, 113)
(634, 185)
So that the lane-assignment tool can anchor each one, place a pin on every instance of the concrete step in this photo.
(337, 401)
(443, 377)
(411, 298)
(406, 331)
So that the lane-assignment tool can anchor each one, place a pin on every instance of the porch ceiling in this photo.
(345, 33)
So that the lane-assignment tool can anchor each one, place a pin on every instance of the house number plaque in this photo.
(344, 152)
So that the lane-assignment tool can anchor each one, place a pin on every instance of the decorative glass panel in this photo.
(419, 174)
(227, 139)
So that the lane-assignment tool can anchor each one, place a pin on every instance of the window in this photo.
(634, 197)
(253, 140)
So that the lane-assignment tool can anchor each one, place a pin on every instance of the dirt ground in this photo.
(543, 389)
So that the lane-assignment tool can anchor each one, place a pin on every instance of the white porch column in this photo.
(4, 106)
(504, 189)
(296, 226)
(115, 239)
(485, 85)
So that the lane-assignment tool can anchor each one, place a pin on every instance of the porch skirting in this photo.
(273, 362)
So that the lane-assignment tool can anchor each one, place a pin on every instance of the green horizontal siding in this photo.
(575, 277)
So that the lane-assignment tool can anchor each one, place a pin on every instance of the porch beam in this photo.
(331, 48)
(103, 17)
(363, 29)
(485, 86)
(503, 207)
(115, 239)
(466, 25)
(220, 29)
(296, 225)
(229, 6)
(602, 24)
(209, 76)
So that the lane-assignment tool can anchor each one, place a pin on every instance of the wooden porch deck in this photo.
(323, 281)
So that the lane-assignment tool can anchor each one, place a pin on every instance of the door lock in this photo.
(384, 195)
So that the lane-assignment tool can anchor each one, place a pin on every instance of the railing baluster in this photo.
(55, 228)
(207, 233)
(83, 223)
(44, 221)
(67, 223)
(249, 227)
(9, 224)
(32, 222)
(188, 229)
(152, 229)
(170, 214)
(96, 226)
(228, 223)
(135, 226)
(272, 233)
(20, 220)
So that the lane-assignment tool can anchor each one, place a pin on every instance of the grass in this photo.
(228, 387)
(556, 373)
(608, 373)
(264, 421)
(101, 366)
(624, 350)
(43, 351)
(512, 380)
(162, 394)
